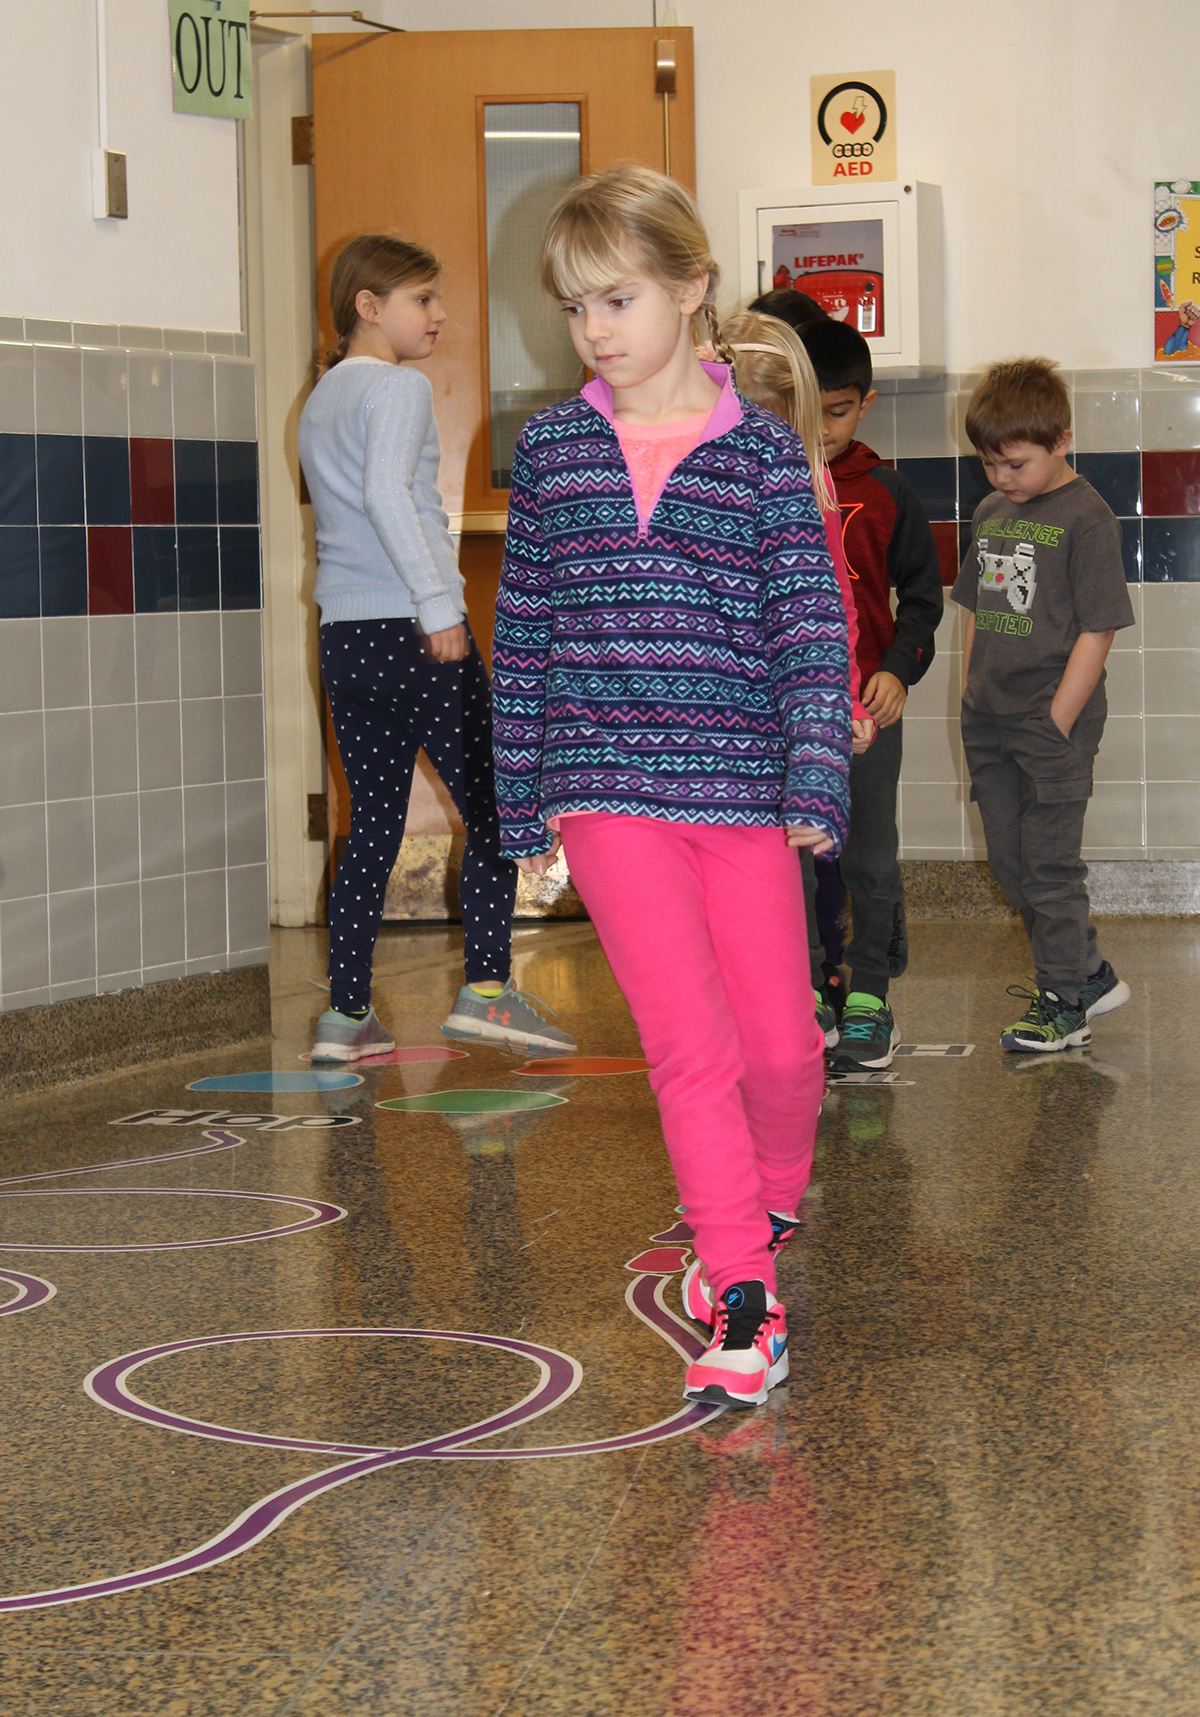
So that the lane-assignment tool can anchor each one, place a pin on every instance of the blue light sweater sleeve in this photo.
(520, 659)
(804, 632)
(401, 500)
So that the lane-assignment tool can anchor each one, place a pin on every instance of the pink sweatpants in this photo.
(704, 929)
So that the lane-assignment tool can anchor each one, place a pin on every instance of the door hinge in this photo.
(318, 817)
(302, 140)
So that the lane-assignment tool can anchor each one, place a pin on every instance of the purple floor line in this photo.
(561, 1376)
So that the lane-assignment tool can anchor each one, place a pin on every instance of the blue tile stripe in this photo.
(54, 487)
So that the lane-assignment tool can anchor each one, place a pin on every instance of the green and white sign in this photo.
(210, 57)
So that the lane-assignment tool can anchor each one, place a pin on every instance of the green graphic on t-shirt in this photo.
(996, 620)
(1026, 530)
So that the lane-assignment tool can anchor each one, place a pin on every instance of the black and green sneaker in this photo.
(826, 1020)
(1048, 1023)
(869, 1035)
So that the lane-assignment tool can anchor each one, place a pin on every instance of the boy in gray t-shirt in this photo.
(1044, 585)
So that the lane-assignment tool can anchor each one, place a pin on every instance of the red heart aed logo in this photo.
(853, 121)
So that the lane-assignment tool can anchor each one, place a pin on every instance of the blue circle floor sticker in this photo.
(277, 1082)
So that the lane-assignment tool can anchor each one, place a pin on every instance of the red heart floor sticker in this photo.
(852, 121)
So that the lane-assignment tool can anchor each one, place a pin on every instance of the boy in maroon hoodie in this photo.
(888, 546)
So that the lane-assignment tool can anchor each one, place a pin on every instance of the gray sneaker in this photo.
(506, 1019)
(340, 1037)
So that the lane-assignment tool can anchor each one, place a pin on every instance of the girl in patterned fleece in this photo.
(672, 705)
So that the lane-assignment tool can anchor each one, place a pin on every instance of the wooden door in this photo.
(400, 145)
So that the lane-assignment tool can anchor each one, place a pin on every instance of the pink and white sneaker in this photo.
(747, 1355)
(696, 1293)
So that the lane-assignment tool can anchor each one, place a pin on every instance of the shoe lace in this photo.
(859, 1024)
(1038, 1012)
(528, 996)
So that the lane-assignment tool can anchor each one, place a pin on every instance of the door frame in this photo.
(280, 293)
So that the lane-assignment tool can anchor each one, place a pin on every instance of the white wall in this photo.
(1045, 122)
(174, 262)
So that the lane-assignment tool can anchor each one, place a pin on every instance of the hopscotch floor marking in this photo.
(943, 1049)
(559, 1377)
(878, 1077)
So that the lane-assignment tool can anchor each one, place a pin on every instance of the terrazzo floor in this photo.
(978, 1494)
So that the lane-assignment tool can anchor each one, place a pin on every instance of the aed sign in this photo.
(210, 57)
(853, 127)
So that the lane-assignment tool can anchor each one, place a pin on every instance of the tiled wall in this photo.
(1137, 440)
(132, 791)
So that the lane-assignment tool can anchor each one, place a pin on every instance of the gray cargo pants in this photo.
(1032, 787)
(878, 950)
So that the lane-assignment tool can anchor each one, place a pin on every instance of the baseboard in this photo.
(1119, 888)
(65, 1042)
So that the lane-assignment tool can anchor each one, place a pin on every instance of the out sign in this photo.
(210, 57)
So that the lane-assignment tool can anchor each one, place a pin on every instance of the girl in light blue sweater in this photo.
(397, 657)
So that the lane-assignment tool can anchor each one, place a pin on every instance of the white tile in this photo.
(1173, 748)
(879, 427)
(1172, 682)
(16, 390)
(206, 925)
(73, 936)
(1121, 757)
(150, 395)
(1173, 813)
(105, 393)
(237, 418)
(976, 840)
(932, 749)
(925, 425)
(21, 665)
(1107, 420)
(931, 816)
(1114, 816)
(938, 693)
(163, 942)
(193, 396)
(249, 915)
(1171, 616)
(65, 651)
(1171, 419)
(24, 944)
(1123, 682)
(58, 378)
(1132, 637)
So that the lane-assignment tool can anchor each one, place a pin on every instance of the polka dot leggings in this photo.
(389, 700)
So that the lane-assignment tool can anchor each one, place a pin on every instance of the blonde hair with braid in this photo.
(772, 369)
(629, 217)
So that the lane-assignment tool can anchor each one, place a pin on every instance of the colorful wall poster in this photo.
(840, 264)
(1177, 271)
(853, 126)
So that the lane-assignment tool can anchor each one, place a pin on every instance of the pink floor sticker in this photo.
(405, 1055)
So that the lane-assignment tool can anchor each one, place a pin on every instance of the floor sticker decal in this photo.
(405, 1055)
(472, 1102)
(314, 1081)
(876, 1078)
(585, 1066)
(31, 1291)
(317, 1215)
(559, 1377)
(949, 1049)
(262, 1123)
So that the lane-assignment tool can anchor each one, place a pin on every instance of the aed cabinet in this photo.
(871, 255)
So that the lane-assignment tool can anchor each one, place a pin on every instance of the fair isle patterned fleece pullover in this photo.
(690, 665)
